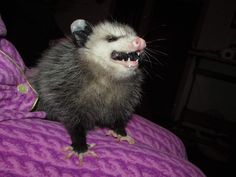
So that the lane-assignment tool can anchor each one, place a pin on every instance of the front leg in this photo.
(78, 138)
(118, 131)
(79, 144)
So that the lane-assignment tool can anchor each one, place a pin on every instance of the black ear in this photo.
(81, 30)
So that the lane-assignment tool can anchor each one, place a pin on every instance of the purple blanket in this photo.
(33, 147)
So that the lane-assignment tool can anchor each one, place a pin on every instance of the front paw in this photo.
(80, 154)
(120, 138)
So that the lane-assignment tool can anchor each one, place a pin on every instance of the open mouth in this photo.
(126, 59)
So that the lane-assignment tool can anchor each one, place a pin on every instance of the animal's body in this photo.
(84, 83)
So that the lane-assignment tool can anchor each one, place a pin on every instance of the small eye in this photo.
(111, 38)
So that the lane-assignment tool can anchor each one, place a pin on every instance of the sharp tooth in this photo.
(123, 60)
(128, 59)
(138, 53)
(137, 60)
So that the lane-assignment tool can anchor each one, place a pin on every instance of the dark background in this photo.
(169, 28)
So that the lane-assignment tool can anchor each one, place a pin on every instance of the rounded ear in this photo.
(80, 30)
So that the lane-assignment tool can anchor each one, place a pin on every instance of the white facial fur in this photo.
(99, 49)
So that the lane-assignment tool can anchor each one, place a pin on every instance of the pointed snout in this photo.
(139, 43)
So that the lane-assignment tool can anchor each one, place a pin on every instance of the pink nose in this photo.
(139, 43)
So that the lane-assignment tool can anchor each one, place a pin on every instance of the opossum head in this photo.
(113, 46)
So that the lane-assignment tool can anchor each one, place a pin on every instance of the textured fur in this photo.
(79, 86)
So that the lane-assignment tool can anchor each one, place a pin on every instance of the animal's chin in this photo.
(127, 59)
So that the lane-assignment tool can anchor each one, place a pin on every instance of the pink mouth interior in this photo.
(129, 64)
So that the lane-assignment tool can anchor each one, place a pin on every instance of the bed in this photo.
(31, 146)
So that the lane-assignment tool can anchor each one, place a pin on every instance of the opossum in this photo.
(92, 79)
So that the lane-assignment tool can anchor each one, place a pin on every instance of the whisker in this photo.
(159, 76)
(154, 46)
(155, 51)
(148, 56)
(151, 53)
(147, 73)
(152, 56)
(155, 40)
(154, 29)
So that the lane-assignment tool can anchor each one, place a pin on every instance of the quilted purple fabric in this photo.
(17, 97)
(33, 147)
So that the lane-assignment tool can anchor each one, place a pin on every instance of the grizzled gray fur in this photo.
(78, 91)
